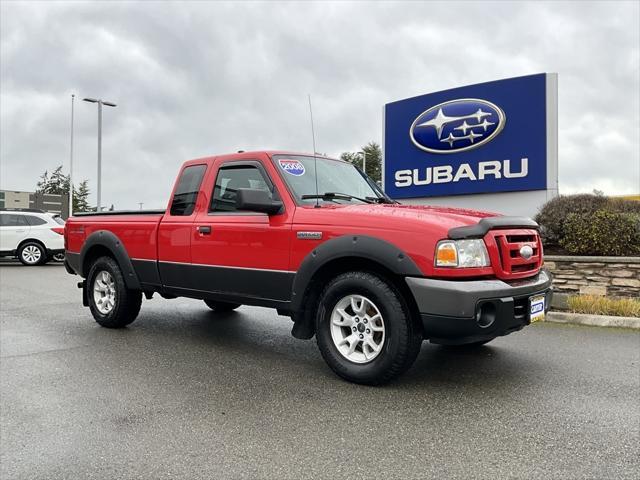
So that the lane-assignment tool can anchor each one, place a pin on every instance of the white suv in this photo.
(34, 236)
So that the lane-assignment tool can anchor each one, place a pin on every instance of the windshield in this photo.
(334, 176)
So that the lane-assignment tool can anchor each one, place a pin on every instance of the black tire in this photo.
(403, 335)
(26, 254)
(127, 302)
(221, 306)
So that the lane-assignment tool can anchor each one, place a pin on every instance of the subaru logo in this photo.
(526, 252)
(457, 125)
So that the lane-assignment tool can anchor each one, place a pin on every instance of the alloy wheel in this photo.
(31, 254)
(357, 329)
(104, 292)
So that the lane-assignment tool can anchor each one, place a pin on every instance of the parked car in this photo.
(33, 236)
(319, 241)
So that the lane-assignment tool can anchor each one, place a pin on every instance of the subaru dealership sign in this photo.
(492, 137)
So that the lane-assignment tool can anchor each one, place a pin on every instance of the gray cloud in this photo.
(194, 79)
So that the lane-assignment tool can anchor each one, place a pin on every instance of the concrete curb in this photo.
(593, 320)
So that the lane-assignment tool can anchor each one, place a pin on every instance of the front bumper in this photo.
(458, 312)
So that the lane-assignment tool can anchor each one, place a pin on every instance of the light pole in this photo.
(100, 102)
(73, 97)
(364, 160)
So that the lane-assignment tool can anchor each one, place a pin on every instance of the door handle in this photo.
(204, 230)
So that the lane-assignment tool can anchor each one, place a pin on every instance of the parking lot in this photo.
(186, 393)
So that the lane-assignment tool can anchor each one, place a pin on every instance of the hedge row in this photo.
(588, 224)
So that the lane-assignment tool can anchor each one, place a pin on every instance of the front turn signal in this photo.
(447, 254)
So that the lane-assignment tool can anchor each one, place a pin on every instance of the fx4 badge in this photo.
(309, 235)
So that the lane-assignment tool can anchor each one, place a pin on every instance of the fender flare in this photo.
(352, 246)
(111, 242)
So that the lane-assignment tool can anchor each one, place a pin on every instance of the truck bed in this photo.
(119, 212)
(136, 229)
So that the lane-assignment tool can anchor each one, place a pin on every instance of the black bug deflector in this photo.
(481, 228)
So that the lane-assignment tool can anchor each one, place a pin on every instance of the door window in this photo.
(12, 220)
(186, 194)
(232, 178)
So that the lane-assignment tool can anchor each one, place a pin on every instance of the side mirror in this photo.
(257, 201)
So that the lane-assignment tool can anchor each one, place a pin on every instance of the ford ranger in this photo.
(318, 240)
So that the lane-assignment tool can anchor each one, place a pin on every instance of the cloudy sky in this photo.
(199, 78)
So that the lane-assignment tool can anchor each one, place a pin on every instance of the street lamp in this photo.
(364, 160)
(100, 103)
(73, 97)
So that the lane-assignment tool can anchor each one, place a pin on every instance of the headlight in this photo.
(462, 254)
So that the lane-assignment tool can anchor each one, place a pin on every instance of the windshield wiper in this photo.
(335, 195)
(381, 200)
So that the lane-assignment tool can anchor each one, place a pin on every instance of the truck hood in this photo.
(408, 218)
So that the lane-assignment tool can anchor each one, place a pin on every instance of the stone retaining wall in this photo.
(605, 276)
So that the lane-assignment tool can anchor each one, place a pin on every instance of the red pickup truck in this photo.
(319, 241)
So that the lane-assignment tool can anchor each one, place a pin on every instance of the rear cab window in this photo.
(186, 193)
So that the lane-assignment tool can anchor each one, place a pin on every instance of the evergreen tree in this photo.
(58, 183)
(373, 155)
(81, 197)
(43, 182)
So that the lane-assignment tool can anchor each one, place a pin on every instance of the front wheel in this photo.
(112, 304)
(364, 329)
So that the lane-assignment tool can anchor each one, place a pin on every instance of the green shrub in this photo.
(602, 233)
(553, 214)
(624, 206)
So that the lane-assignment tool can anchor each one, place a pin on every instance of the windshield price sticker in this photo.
(292, 167)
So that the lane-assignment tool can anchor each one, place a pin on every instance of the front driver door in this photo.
(241, 253)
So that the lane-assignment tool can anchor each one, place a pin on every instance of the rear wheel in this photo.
(364, 329)
(32, 253)
(112, 304)
(221, 306)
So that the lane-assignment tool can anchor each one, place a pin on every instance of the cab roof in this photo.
(252, 155)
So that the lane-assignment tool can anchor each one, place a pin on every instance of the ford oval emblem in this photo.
(526, 252)
(457, 125)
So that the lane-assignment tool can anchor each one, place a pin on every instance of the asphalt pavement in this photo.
(186, 393)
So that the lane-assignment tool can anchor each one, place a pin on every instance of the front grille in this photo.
(508, 244)
(521, 238)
